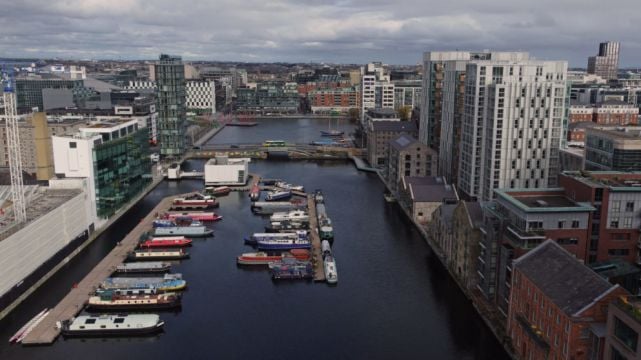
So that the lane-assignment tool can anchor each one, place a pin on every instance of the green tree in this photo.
(404, 113)
(354, 114)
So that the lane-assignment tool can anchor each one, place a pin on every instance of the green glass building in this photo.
(172, 113)
(122, 169)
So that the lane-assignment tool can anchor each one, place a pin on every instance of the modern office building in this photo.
(614, 229)
(201, 95)
(170, 79)
(112, 156)
(377, 91)
(268, 98)
(407, 93)
(613, 148)
(29, 90)
(222, 170)
(511, 126)
(606, 63)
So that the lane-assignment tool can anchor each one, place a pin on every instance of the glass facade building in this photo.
(122, 169)
(29, 91)
(172, 113)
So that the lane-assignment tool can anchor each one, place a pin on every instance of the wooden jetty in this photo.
(46, 332)
(317, 255)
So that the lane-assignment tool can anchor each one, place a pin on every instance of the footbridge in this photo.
(260, 151)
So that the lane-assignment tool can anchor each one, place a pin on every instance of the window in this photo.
(575, 224)
(627, 222)
(72, 145)
(567, 241)
(119, 320)
(616, 205)
(561, 224)
(90, 321)
(625, 334)
(614, 224)
(629, 206)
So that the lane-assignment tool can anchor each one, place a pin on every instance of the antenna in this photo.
(13, 146)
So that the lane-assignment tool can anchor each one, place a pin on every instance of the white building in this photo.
(141, 85)
(224, 171)
(377, 92)
(201, 94)
(443, 102)
(511, 125)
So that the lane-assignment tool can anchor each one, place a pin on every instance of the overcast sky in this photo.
(344, 31)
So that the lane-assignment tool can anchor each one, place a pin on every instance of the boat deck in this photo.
(46, 332)
(317, 255)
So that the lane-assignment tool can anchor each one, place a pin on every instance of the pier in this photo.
(46, 332)
(317, 255)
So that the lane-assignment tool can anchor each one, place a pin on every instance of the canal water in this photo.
(394, 299)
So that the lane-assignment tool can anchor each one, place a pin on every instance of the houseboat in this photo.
(286, 186)
(191, 231)
(143, 267)
(196, 199)
(284, 226)
(278, 195)
(283, 244)
(318, 196)
(218, 190)
(268, 208)
(201, 216)
(111, 325)
(292, 271)
(164, 254)
(329, 265)
(294, 215)
(256, 237)
(179, 221)
(109, 301)
(169, 282)
(263, 258)
(165, 242)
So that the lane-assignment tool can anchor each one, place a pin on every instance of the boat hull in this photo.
(262, 246)
(144, 331)
(134, 307)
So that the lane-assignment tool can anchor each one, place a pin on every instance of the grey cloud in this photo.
(352, 31)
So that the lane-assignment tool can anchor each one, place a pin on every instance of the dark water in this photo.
(394, 300)
(290, 130)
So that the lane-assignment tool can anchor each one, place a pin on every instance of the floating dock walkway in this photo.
(46, 332)
(317, 254)
(361, 165)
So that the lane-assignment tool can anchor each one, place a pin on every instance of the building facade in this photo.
(380, 134)
(29, 91)
(113, 157)
(512, 125)
(613, 149)
(172, 112)
(377, 91)
(35, 146)
(201, 95)
(408, 157)
(334, 101)
(606, 63)
(623, 329)
(552, 312)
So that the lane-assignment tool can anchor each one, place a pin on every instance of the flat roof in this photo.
(40, 201)
(542, 200)
(614, 180)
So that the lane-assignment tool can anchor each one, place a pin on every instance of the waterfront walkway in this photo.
(46, 332)
(317, 255)
(361, 165)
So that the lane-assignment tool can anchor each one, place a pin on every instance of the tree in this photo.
(404, 113)
(354, 114)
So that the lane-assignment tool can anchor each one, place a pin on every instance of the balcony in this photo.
(524, 239)
(631, 305)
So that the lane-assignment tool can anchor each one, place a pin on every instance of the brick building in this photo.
(614, 227)
(555, 301)
(333, 100)
(408, 157)
(609, 112)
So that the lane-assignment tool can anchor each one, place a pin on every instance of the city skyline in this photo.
(328, 31)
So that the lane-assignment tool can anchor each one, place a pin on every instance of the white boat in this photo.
(326, 249)
(294, 215)
(143, 267)
(286, 186)
(278, 195)
(329, 264)
(111, 325)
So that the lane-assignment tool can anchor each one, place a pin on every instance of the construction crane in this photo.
(13, 148)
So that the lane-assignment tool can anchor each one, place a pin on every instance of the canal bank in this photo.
(494, 321)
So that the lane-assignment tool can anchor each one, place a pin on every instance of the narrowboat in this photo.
(191, 231)
(111, 325)
(109, 300)
(143, 267)
(263, 258)
(164, 254)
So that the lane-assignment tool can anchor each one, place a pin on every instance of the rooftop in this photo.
(614, 268)
(618, 132)
(614, 180)
(404, 141)
(395, 126)
(40, 201)
(429, 189)
(541, 200)
(569, 284)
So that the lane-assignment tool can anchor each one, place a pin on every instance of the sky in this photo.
(343, 31)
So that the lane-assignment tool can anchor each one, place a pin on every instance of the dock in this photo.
(361, 165)
(46, 332)
(317, 255)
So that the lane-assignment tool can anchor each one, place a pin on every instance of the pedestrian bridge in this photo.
(291, 150)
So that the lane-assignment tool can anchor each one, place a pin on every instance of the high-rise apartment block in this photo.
(606, 63)
(377, 91)
(201, 95)
(170, 78)
(511, 126)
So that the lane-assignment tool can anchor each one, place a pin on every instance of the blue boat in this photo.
(283, 244)
(278, 195)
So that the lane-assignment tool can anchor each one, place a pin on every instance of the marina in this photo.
(46, 331)
(435, 306)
